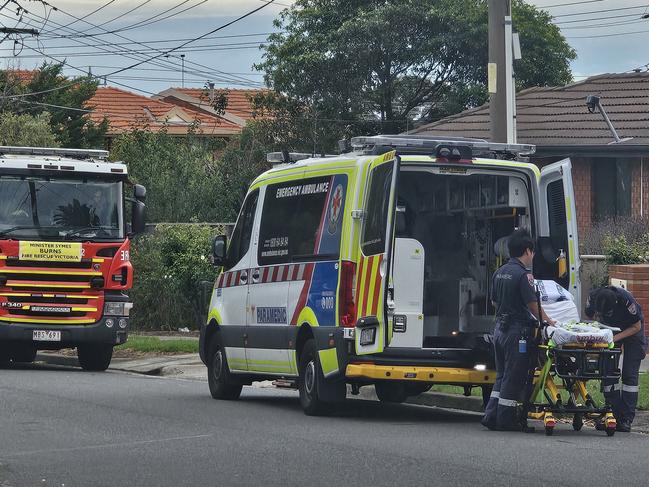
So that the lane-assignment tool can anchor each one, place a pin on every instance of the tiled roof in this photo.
(125, 111)
(559, 117)
(21, 75)
(238, 100)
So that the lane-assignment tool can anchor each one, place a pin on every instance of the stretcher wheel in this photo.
(549, 430)
(577, 422)
(610, 431)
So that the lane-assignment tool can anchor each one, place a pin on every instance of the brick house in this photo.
(126, 111)
(609, 179)
(239, 101)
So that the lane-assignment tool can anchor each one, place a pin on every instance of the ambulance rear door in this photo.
(373, 327)
(557, 228)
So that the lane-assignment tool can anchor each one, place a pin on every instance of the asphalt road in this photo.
(64, 427)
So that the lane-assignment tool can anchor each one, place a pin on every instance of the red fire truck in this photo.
(64, 252)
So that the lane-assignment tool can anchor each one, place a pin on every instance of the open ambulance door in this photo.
(373, 328)
(557, 229)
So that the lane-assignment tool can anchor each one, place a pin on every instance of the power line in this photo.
(247, 14)
(605, 25)
(91, 13)
(160, 41)
(119, 16)
(236, 79)
(609, 35)
(600, 11)
(637, 16)
(570, 3)
(141, 23)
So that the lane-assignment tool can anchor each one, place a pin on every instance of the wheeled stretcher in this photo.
(569, 356)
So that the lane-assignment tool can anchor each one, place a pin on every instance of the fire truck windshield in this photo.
(34, 207)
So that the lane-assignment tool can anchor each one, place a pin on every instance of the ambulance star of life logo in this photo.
(335, 208)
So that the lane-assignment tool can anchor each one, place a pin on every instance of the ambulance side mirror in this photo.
(219, 250)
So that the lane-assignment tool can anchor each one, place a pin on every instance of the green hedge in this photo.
(170, 266)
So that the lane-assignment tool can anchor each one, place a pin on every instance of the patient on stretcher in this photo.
(559, 305)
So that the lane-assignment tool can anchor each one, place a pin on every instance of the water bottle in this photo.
(522, 345)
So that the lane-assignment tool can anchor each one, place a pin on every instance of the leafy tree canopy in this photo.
(26, 130)
(71, 127)
(178, 172)
(371, 64)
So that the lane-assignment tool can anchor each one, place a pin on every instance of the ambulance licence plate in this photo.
(46, 335)
(368, 335)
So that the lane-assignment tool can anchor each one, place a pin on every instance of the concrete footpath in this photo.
(190, 367)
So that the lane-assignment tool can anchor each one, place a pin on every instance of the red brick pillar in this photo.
(635, 279)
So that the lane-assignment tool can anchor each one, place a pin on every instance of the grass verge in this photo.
(153, 344)
(592, 386)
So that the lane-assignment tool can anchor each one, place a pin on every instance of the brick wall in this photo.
(635, 279)
(640, 188)
(581, 181)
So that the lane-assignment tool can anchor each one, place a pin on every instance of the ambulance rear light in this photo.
(346, 305)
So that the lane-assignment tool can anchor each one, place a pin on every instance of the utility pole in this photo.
(182, 59)
(497, 72)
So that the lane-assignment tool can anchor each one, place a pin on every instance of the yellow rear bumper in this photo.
(446, 375)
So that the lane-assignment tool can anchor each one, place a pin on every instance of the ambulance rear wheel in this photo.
(219, 379)
(310, 371)
(391, 392)
(95, 358)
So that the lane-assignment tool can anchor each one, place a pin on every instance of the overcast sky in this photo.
(227, 56)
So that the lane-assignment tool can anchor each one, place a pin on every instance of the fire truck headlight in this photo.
(123, 322)
(109, 322)
(117, 309)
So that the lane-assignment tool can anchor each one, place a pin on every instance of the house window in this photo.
(611, 187)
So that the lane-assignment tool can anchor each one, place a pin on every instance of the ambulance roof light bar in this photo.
(421, 144)
(290, 157)
(55, 152)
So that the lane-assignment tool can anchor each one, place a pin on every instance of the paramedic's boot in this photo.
(623, 427)
(488, 424)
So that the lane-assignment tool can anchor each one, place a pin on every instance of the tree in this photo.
(26, 130)
(241, 162)
(63, 98)
(179, 173)
(372, 64)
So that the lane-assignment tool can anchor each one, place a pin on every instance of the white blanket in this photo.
(557, 302)
(580, 333)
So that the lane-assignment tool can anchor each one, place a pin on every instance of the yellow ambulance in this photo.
(374, 267)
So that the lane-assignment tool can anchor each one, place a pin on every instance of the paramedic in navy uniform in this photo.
(514, 297)
(617, 307)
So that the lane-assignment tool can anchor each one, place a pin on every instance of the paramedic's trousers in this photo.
(623, 396)
(512, 368)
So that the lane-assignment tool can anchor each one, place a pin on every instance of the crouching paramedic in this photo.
(514, 296)
(615, 306)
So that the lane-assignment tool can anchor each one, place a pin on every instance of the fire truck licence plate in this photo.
(47, 335)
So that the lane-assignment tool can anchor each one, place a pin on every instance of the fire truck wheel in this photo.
(24, 354)
(218, 373)
(4, 356)
(308, 381)
(95, 358)
(391, 392)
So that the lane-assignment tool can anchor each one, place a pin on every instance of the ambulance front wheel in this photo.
(218, 373)
(310, 375)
